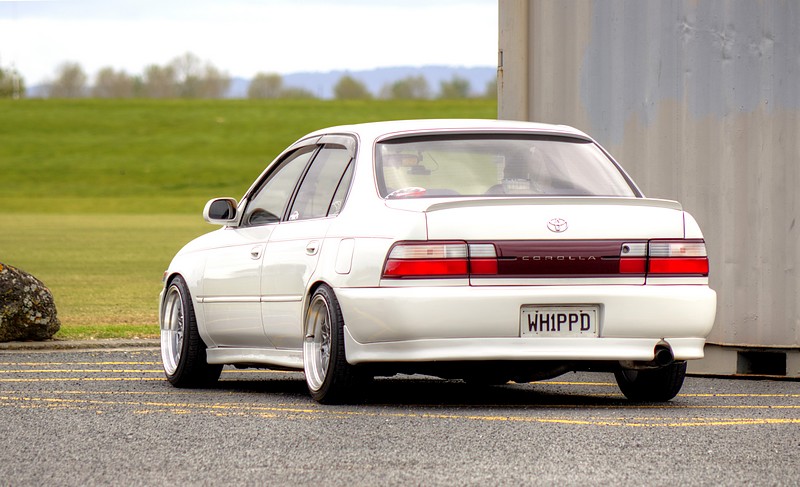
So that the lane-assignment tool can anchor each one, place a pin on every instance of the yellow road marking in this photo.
(40, 364)
(121, 371)
(80, 371)
(94, 379)
(273, 411)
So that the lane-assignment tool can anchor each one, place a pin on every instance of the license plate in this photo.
(558, 321)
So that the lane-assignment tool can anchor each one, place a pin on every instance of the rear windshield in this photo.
(496, 165)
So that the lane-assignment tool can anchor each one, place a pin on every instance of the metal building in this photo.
(700, 102)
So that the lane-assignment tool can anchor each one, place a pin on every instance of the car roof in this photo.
(376, 130)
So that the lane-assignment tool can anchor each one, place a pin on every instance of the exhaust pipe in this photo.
(663, 356)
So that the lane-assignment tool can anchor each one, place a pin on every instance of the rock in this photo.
(27, 309)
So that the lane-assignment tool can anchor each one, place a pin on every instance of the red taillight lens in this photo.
(679, 266)
(483, 266)
(439, 259)
(425, 267)
(632, 265)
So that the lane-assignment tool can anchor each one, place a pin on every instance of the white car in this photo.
(481, 250)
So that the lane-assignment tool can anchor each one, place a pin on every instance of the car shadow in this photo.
(422, 391)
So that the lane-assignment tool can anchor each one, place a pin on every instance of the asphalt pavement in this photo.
(107, 416)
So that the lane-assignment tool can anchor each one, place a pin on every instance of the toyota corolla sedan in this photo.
(479, 250)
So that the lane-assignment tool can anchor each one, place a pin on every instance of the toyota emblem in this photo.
(557, 225)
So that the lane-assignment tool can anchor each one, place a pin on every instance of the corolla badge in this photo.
(557, 225)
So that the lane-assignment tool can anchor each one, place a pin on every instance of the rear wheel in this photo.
(651, 385)
(183, 352)
(330, 379)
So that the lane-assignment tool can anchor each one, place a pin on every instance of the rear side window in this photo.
(496, 165)
(326, 179)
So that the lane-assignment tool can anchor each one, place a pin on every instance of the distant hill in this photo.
(322, 83)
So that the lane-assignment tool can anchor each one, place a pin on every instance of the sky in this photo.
(245, 37)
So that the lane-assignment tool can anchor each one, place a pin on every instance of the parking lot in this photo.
(109, 417)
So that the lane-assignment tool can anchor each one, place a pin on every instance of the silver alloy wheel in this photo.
(172, 329)
(317, 343)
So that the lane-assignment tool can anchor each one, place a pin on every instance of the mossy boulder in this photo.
(27, 308)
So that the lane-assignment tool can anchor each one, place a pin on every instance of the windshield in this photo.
(496, 165)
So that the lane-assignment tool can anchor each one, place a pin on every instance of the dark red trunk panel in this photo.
(565, 258)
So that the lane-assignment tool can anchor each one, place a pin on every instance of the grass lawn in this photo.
(99, 194)
(104, 270)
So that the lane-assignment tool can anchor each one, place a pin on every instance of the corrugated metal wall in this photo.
(700, 102)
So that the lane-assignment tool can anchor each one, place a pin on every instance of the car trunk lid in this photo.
(553, 239)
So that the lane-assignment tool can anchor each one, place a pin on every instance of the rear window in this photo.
(496, 165)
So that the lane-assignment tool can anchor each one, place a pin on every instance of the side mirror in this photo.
(221, 211)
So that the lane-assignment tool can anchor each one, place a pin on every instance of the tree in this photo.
(213, 83)
(457, 87)
(12, 85)
(197, 80)
(349, 88)
(187, 69)
(70, 82)
(410, 88)
(113, 84)
(265, 85)
(159, 82)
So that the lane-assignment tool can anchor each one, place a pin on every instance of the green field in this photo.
(97, 195)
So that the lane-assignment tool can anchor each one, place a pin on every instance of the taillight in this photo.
(439, 259)
(633, 258)
(482, 259)
(664, 257)
(678, 257)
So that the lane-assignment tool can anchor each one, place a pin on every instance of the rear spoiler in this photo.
(519, 201)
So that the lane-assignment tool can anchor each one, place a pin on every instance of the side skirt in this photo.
(285, 359)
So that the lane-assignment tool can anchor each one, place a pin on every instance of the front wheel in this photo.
(651, 385)
(330, 379)
(183, 351)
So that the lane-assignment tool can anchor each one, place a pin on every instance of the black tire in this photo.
(329, 377)
(651, 385)
(183, 351)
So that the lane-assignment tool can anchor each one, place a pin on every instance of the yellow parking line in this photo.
(74, 379)
(81, 371)
(272, 411)
(41, 364)
(126, 371)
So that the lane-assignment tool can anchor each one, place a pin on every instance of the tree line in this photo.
(189, 77)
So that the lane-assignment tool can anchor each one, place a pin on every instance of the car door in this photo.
(294, 246)
(232, 275)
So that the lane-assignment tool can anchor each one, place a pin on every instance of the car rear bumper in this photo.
(561, 349)
(483, 323)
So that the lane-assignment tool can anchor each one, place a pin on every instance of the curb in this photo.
(82, 344)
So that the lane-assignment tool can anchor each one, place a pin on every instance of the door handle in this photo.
(312, 248)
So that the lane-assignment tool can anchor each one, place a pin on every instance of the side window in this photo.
(315, 198)
(341, 191)
(270, 200)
